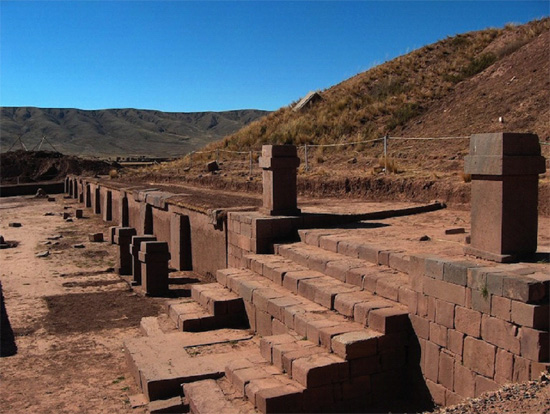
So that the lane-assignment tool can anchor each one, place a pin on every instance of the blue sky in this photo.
(185, 56)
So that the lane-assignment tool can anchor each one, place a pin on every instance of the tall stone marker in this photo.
(279, 164)
(504, 168)
(123, 238)
(154, 256)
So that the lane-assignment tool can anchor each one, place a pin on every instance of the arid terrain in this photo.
(70, 312)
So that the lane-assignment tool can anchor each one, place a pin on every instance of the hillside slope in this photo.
(455, 87)
(119, 132)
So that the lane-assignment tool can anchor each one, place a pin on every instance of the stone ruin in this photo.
(332, 322)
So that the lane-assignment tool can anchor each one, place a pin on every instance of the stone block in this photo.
(446, 370)
(154, 258)
(464, 383)
(286, 398)
(455, 342)
(134, 249)
(122, 238)
(79, 213)
(524, 289)
(521, 369)
(504, 365)
(481, 302)
(484, 385)
(531, 316)
(500, 333)
(319, 369)
(446, 291)
(501, 307)
(353, 345)
(457, 272)
(479, 356)
(535, 344)
(431, 361)
(444, 313)
(95, 237)
(468, 321)
(438, 334)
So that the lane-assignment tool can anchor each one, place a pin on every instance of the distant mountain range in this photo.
(118, 132)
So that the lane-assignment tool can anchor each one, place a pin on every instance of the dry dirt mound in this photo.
(27, 167)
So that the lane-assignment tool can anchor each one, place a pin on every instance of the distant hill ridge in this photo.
(119, 132)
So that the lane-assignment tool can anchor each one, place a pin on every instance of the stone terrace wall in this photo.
(195, 242)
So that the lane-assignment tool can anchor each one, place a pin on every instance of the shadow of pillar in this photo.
(7, 338)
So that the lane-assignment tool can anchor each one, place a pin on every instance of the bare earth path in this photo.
(69, 313)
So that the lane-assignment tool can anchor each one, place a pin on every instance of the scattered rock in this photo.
(352, 160)
(2, 239)
(425, 238)
(96, 237)
(56, 237)
(187, 169)
(47, 243)
(66, 216)
(212, 166)
(51, 199)
(40, 193)
(79, 213)
(43, 254)
(15, 224)
(69, 220)
(49, 213)
(457, 230)
(66, 207)
(79, 246)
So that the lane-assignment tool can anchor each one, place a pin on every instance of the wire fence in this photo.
(305, 153)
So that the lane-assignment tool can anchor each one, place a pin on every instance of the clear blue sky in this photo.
(184, 56)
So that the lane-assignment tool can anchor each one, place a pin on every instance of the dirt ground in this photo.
(69, 312)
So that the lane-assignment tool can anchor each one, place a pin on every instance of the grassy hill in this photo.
(119, 132)
(460, 85)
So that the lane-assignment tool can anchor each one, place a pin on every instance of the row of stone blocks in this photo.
(143, 257)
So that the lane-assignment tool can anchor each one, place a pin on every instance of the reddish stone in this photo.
(455, 342)
(468, 321)
(521, 369)
(438, 334)
(464, 383)
(535, 344)
(446, 370)
(444, 313)
(500, 333)
(484, 385)
(437, 391)
(479, 356)
(431, 361)
(500, 307)
(504, 366)
(446, 291)
(531, 316)
(421, 326)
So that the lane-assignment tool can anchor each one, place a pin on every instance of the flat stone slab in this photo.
(160, 364)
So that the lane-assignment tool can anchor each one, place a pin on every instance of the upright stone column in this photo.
(97, 201)
(504, 218)
(135, 248)
(279, 164)
(154, 258)
(75, 188)
(123, 238)
(108, 206)
(80, 191)
(87, 195)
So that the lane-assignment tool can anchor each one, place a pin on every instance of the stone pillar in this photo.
(97, 201)
(124, 213)
(67, 188)
(154, 258)
(108, 206)
(75, 188)
(88, 196)
(180, 242)
(504, 169)
(80, 191)
(279, 164)
(145, 218)
(135, 248)
(123, 238)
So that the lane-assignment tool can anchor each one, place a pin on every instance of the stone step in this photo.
(217, 300)
(273, 309)
(207, 397)
(355, 247)
(190, 316)
(380, 280)
(157, 325)
(266, 387)
(161, 363)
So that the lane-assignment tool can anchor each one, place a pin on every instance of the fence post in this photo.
(250, 160)
(305, 156)
(386, 154)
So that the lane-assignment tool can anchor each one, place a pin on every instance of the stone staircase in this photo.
(327, 333)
